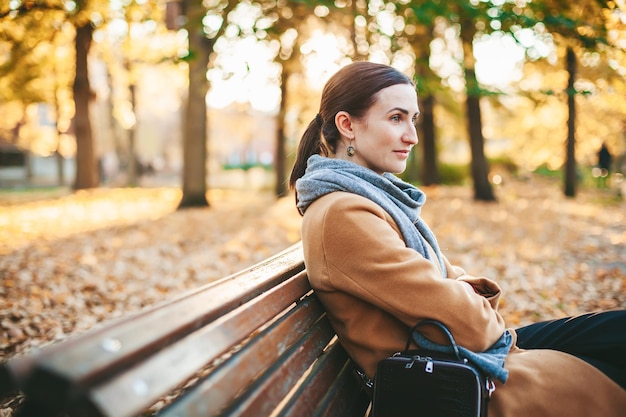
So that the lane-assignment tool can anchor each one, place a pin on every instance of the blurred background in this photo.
(215, 94)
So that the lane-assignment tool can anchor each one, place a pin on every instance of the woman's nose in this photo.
(411, 136)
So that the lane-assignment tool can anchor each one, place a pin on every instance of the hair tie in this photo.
(320, 121)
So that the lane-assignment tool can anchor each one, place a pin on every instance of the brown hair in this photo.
(353, 89)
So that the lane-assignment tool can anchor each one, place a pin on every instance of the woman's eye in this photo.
(395, 118)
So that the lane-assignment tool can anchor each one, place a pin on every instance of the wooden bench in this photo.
(256, 343)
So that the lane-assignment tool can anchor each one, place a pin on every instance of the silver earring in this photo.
(350, 150)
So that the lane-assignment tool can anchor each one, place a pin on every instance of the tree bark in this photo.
(86, 166)
(133, 160)
(430, 163)
(570, 159)
(427, 168)
(280, 159)
(430, 169)
(57, 154)
(479, 166)
(195, 122)
(60, 168)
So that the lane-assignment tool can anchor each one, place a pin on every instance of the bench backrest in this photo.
(256, 343)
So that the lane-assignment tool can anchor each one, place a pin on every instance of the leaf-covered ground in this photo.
(70, 262)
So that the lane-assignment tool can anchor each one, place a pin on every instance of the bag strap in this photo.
(442, 327)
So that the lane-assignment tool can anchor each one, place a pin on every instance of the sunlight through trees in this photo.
(128, 87)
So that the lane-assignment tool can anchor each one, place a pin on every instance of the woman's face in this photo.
(384, 137)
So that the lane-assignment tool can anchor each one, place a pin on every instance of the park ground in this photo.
(71, 261)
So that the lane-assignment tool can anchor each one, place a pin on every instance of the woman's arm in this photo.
(366, 256)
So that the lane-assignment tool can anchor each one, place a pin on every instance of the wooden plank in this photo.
(272, 387)
(92, 357)
(315, 386)
(345, 398)
(140, 386)
(14, 373)
(215, 392)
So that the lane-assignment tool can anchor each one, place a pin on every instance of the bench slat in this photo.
(92, 357)
(332, 389)
(214, 393)
(13, 373)
(137, 389)
(313, 388)
(345, 398)
(270, 389)
(332, 386)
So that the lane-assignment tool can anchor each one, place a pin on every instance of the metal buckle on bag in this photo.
(429, 366)
(490, 385)
(366, 380)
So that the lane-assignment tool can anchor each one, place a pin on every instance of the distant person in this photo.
(604, 164)
(378, 270)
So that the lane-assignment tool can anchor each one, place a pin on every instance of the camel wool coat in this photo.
(374, 289)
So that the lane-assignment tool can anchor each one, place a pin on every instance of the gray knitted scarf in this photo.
(401, 200)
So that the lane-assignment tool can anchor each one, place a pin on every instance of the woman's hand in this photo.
(484, 287)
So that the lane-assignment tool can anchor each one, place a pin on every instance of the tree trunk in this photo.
(133, 160)
(195, 122)
(430, 165)
(57, 154)
(86, 166)
(430, 169)
(28, 167)
(570, 159)
(353, 34)
(479, 166)
(60, 168)
(426, 170)
(280, 159)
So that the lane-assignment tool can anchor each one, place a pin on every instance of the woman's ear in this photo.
(343, 120)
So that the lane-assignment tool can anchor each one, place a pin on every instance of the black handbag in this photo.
(431, 384)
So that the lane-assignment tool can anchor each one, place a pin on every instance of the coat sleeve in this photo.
(366, 256)
(481, 285)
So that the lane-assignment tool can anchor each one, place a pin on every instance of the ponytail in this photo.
(310, 144)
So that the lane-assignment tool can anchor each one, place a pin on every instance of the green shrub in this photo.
(454, 174)
(503, 164)
(547, 172)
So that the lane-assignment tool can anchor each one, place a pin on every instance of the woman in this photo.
(378, 270)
